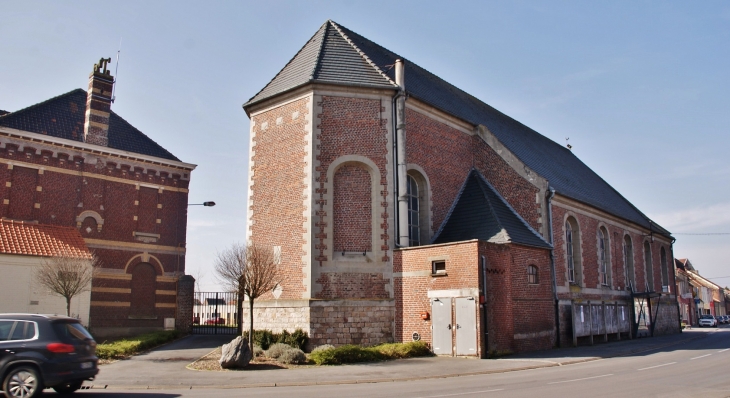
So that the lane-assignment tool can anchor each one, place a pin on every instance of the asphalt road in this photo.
(699, 368)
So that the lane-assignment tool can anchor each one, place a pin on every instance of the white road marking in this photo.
(701, 356)
(464, 393)
(658, 366)
(724, 350)
(585, 378)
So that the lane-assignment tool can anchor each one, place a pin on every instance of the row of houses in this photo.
(697, 295)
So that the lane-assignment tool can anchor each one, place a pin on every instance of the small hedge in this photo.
(353, 353)
(265, 338)
(133, 345)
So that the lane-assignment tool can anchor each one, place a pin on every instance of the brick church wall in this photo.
(278, 161)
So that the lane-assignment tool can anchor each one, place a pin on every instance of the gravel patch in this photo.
(210, 363)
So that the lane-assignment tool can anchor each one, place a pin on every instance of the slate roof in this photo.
(480, 212)
(20, 237)
(63, 117)
(326, 59)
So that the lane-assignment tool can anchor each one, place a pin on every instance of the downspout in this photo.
(549, 197)
(400, 117)
(485, 354)
(676, 287)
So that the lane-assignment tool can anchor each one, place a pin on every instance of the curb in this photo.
(547, 364)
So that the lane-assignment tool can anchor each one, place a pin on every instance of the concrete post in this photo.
(185, 298)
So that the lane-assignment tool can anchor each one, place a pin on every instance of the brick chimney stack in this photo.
(98, 104)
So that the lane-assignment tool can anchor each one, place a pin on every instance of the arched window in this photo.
(648, 267)
(629, 261)
(572, 248)
(665, 271)
(532, 277)
(414, 212)
(604, 271)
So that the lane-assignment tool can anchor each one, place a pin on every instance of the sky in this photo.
(640, 88)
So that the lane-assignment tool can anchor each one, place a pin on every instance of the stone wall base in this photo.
(336, 322)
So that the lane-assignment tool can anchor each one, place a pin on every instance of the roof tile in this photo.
(22, 237)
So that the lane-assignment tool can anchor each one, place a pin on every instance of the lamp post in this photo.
(206, 204)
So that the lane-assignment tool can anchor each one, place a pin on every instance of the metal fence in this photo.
(215, 313)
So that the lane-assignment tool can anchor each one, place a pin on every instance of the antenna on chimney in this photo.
(116, 70)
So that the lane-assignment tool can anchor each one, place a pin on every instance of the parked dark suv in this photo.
(44, 351)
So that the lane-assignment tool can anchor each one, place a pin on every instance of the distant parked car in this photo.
(726, 318)
(44, 351)
(708, 320)
(722, 319)
(215, 321)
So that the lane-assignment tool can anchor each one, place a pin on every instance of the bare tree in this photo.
(249, 270)
(198, 274)
(67, 276)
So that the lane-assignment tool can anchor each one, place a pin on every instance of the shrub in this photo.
(324, 355)
(257, 351)
(323, 347)
(132, 345)
(404, 350)
(276, 350)
(293, 355)
(345, 354)
(265, 338)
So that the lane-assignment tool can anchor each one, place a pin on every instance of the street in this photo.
(696, 368)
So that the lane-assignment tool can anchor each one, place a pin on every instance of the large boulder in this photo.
(235, 354)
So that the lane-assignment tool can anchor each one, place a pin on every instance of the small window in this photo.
(277, 255)
(532, 275)
(438, 267)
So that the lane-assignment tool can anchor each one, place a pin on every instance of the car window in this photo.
(71, 330)
(5, 328)
(23, 331)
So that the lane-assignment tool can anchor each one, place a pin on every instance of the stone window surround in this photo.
(425, 201)
(577, 239)
(607, 255)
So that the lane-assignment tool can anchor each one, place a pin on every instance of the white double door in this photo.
(454, 333)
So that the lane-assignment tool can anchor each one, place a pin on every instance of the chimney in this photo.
(98, 104)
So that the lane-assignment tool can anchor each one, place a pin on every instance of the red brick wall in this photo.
(352, 126)
(352, 210)
(338, 285)
(446, 156)
(277, 202)
(66, 193)
(514, 307)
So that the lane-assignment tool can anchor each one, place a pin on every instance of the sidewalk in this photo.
(164, 368)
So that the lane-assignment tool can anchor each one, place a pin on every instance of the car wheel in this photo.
(68, 388)
(23, 382)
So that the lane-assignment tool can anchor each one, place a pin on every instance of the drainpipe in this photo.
(549, 197)
(400, 117)
(676, 288)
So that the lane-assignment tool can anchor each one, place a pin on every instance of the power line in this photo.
(702, 233)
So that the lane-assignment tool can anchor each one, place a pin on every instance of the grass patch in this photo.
(354, 354)
(133, 345)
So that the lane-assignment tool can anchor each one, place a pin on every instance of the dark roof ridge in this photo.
(451, 209)
(38, 104)
(519, 217)
(321, 29)
(146, 136)
(362, 53)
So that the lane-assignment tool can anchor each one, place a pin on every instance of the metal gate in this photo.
(215, 313)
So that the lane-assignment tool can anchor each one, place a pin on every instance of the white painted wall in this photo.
(18, 290)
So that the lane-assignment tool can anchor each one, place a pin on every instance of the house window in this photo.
(414, 212)
(572, 247)
(603, 269)
(438, 267)
(629, 261)
(277, 255)
(665, 271)
(648, 267)
(532, 275)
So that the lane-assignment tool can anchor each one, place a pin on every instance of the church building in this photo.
(402, 208)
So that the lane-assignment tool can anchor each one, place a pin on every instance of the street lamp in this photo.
(206, 204)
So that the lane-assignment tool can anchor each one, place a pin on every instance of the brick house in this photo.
(71, 161)
(24, 246)
(398, 202)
